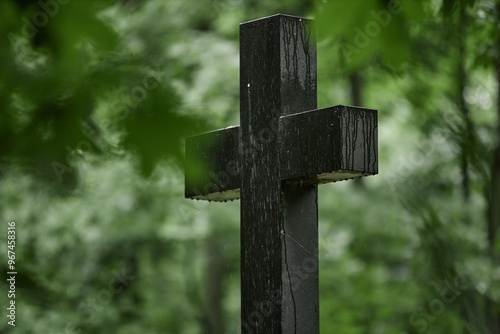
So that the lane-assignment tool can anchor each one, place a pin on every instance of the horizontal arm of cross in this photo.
(325, 145)
(336, 143)
(213, 165)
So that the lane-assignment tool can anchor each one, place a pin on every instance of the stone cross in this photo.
(273, 162)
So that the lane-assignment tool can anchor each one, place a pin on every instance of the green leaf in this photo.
(368, 29)
(448, 7)
(155, 129)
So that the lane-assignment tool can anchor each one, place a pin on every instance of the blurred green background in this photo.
(96, 96)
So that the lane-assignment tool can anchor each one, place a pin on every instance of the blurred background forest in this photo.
(96, 96)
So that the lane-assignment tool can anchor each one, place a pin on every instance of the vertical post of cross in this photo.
(279, 232)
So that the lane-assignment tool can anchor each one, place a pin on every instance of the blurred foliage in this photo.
(96, 96)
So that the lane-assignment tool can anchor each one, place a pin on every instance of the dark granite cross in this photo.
(274, 161)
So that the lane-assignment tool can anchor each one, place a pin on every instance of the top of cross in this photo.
(325, 145)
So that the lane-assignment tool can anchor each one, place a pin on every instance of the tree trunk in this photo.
(356, 82)
(214, 286)
(493, 213)
(465, 113)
